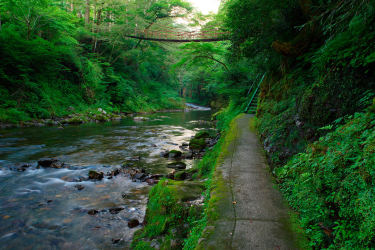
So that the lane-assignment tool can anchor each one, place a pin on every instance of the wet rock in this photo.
(93, 212)
(47, 162)
(20, 167)
(152, 181)
(93, 175)
(164, 154)
(116, 210)
(188, 155)
(172, 154)
(171, 175)
(139, 176)
(79, 187)
(202, 134)
(115, 241)
(114, 172)
(177, 165)
(133, 223)
(58, 164)
(79, 179)
(180, 176)
(197, 144)
(185, 144)
(157, 176)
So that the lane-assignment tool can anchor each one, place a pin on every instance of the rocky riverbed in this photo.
(86, 186)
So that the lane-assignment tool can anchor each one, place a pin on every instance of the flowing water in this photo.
(43, 209)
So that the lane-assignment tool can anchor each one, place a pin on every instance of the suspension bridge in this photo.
(179, 36)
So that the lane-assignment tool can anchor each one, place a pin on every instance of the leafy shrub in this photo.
(331, 185)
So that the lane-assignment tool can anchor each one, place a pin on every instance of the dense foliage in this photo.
(313, 115)
(59, 56)
(332, 185)
(318, 56)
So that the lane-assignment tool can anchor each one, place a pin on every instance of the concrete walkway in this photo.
(252, 215)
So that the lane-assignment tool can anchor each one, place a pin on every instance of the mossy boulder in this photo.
(180, 175)
(197, 144)
(167, 212)
(174, 154)
(199, 141)
(202, 134)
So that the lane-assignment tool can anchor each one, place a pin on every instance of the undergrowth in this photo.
(166, 213)
(331, 185)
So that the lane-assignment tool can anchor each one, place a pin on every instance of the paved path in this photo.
(253, 215)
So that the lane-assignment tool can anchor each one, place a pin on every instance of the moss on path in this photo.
(246, 211)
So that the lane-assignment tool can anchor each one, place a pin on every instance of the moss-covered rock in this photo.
(202, 134)
(197, 144)
(167, 214)
(174, 154)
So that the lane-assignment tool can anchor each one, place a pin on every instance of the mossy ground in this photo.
(166, 211)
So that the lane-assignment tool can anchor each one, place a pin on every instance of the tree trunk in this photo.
(87, 12)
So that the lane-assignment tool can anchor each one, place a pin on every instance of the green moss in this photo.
(218, 194)
(330, 185)
(197, 144)
(202, 134)
(166, 210)
(175, 153)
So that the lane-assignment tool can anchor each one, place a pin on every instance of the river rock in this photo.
(20, 167)
(152, 181)
(79, 187)
(180, 176)
(197, 144)
(115, 241)
(177, 165)
(114, 172)
(93, 175)
(47, 162)
(139, 176)
(172, 154)
(93, 212)
(202, 134)
(116, 210)
(188, 155)
(141, 119)
(133, 223)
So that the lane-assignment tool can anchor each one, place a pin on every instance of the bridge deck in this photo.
(180, 40)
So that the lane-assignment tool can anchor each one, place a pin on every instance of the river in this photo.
(41, 208)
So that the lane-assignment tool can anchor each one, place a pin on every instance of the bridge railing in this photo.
(161, 34)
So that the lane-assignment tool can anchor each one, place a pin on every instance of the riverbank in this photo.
(210, 211)
(93, 116)
(97, 187)
(177, 209)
